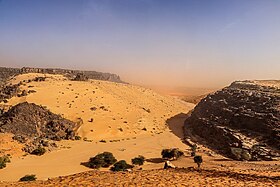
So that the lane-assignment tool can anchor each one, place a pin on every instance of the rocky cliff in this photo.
(7, 72)
(241, 121)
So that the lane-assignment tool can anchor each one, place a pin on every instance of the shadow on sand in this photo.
(176, 124)
(155, 160)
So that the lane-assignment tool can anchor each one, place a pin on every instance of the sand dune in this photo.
(108, 110)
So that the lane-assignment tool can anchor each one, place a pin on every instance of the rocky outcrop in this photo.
(8, 91)
(241, 121)
(34, 125)
(80, 77)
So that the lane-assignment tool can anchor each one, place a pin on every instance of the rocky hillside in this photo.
(5, 73)
(34, 125)
(241, 121)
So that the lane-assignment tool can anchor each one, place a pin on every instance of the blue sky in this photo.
(201, 43)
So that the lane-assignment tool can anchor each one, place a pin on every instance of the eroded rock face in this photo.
(245, 115)
(33, 125)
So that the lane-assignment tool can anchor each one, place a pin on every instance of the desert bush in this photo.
(240, 154)
(171, 153)
(193, 147)
(138, 160)
(28, 178)
(198, 160)
(3, 160)
(105, 159)
(39, 151)
(121, 166)
(78, 137)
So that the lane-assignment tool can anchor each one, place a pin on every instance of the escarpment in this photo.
(241, 121)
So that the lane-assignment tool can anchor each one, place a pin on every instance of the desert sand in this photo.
(132, 121)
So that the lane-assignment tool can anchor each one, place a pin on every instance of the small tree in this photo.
(28, 178)
(171, 153)
(138, 160)
(121, 166)
(105, 159)
(198, 160)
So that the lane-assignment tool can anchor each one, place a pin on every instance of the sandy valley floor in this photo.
(133, 121)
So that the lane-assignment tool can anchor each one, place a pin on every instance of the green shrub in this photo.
(105, 159)
(2, 164)
(193, 153)
(121, 166)
(39, 151)
(171, 153)
(138, 160)
(3, 160)
(28, 178)
(198, 160)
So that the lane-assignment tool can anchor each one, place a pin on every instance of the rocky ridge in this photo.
(5, 73)
(241, 121)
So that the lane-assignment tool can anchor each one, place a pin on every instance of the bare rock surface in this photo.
(241, 121)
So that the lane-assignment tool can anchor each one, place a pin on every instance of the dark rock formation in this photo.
(241, 121)
(33, 124)
(9, 91)
(6, 73)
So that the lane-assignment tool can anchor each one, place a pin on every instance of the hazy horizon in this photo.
(148, 42)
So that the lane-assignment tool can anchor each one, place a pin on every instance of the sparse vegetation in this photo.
(121, 166)
(138, 160)
(39, 151)
(194, 147)
(105, 160)
(3, 160)
(198, 160)
(78, 137)
(28, 178)
(103, 141)
(174, 153)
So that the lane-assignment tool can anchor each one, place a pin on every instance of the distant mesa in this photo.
(241, 121)
(5, 73)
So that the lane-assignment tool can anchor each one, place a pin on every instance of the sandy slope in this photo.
(171, 177)
(131, 119)
(117, 110)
